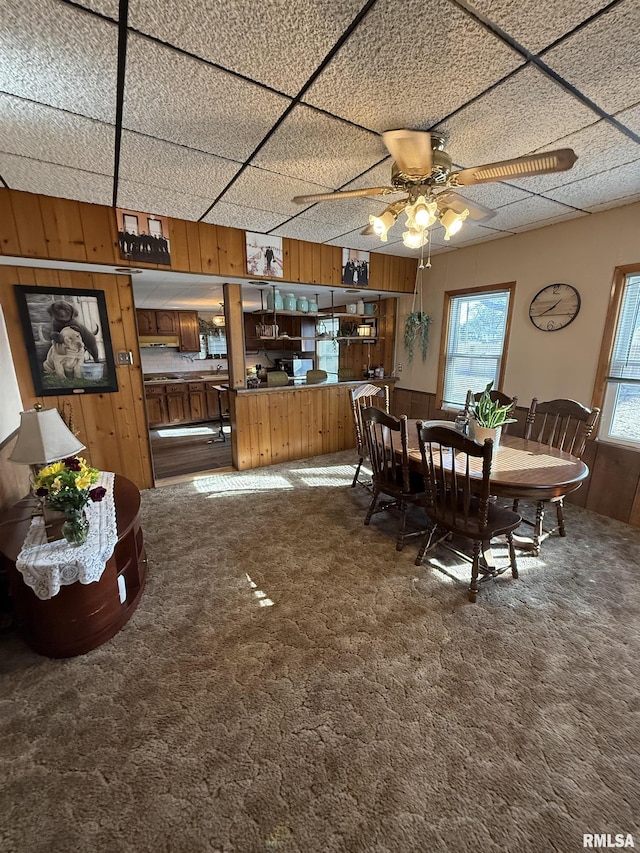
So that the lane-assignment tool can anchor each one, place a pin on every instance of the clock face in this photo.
(554, 307)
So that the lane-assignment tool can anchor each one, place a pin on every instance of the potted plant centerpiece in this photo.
(487, 417)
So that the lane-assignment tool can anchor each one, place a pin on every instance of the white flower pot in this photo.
(479, 434)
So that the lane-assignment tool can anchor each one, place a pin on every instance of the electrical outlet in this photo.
(124, 357)
(400, 368)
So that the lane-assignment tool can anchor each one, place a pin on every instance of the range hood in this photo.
(164, 341)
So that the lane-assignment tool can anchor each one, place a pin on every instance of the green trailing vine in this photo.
(416, 328)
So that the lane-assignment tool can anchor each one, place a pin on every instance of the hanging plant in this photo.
(416, 328)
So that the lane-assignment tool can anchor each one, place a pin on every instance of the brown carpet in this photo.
(290, 682)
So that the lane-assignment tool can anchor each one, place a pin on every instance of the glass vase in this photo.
(75, 529)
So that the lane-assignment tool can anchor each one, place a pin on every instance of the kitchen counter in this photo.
(303, 384)
(176, 378)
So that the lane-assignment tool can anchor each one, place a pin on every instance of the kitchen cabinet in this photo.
(183, 402)
(188, 331)
(183, 324)
(197, 402)
(177, 403)
(156, 405)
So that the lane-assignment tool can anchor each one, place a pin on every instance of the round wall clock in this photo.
(554, 307)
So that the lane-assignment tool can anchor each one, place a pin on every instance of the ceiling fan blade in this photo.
(368, 231)
(458, 203)
(411, 150)
(520, 167)
(309, 199)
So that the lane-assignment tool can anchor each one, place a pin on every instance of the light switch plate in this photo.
(124, 357)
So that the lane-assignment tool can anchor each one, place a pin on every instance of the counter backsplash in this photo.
(170, 361)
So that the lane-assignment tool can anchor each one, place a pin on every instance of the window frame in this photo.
(449, 295)
(606, 353)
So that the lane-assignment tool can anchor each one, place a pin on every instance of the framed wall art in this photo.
(66, 333)
(355, 268)
(143, 237)
(264, 255)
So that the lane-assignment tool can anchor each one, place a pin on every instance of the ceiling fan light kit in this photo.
(423, 170)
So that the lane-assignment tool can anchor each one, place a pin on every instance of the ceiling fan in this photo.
(422, 170)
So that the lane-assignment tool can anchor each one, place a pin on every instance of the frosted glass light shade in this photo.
(43, 437)
(452, 221)
(381, 224)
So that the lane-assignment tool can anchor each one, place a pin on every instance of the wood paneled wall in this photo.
(57, 228)
(113, 426)
(293, 424)
(613, 486)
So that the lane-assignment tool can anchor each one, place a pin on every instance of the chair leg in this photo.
(355, 476)
(426, 544)
(473, 589)
(372, 505)
(560, 514)
(402, 506)
(516, 504)
(512, 555)
(537, 530)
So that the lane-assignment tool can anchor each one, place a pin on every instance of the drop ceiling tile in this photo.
(279, 44)
(268, 191)
(519, 116)
(355, 240)
(470, 232)
(34, 176)
(161, 164)
(493, 195)
(553, 220)
(478, 237)
(529, 211)
(110, 8)
(535, 25)
(303, 228)
(45, 57)
(345, 212)
(599, 147)
(610, 76)
(45, 133)
(630, 118)
(610, 188)
(133, 195)
(315, 147)
(395, 70)
(218, 112)
(245, 218)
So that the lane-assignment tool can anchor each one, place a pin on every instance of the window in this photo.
(327, 350)
(621, 410)
(476, 328)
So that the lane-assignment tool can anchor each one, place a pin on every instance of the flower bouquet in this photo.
(66, 486)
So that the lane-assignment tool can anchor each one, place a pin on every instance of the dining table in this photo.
(521, 469)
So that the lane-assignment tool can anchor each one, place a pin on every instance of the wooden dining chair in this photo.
(363, 396)
(565, 425)
(496, 396)
(460, 504)
(387, 446)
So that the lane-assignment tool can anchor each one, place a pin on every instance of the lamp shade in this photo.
(43, 437)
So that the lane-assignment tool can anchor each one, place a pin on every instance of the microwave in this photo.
(297, 366)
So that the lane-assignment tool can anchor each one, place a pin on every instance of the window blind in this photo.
(625, 359)
(475, 343)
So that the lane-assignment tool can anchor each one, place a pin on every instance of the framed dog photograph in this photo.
(67, 337)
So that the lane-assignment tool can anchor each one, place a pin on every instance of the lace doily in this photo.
(46, 566)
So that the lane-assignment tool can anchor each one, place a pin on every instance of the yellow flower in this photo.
(56, 485)
(54, 468)
(84, 480)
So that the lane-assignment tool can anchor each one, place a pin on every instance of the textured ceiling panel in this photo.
(513, 217)
(59, 56)
(553, 220)
(344, 212)
(536, 25)
(34, 176)
(391, 72)
(279, 44)
(599, 192)
(355, 240)
(630, 118)
(304, 228)
(133, 195)
(599, 148)
(245, 218)
(314, 147)
(109, 8)
(269, 191)
(218, 112)
(610, 76)
(161, 164)
(527, 111)
(493, 195)
(45, 133)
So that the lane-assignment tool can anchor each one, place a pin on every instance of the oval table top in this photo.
(523, 469)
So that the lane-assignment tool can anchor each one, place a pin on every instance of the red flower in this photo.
(72, 463)
(97, 494)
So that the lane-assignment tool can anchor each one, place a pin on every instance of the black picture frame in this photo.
(66, 333)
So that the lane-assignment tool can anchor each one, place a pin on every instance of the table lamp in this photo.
(43, 437)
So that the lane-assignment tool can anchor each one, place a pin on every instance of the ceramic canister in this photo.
(369, 307)
(313, 306)
(360, 307)
(351, 309)
(289, 302)
(302, 304)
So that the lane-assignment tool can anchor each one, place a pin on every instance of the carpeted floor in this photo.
(290, 682)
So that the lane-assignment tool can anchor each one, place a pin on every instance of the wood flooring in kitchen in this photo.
(188, 449)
